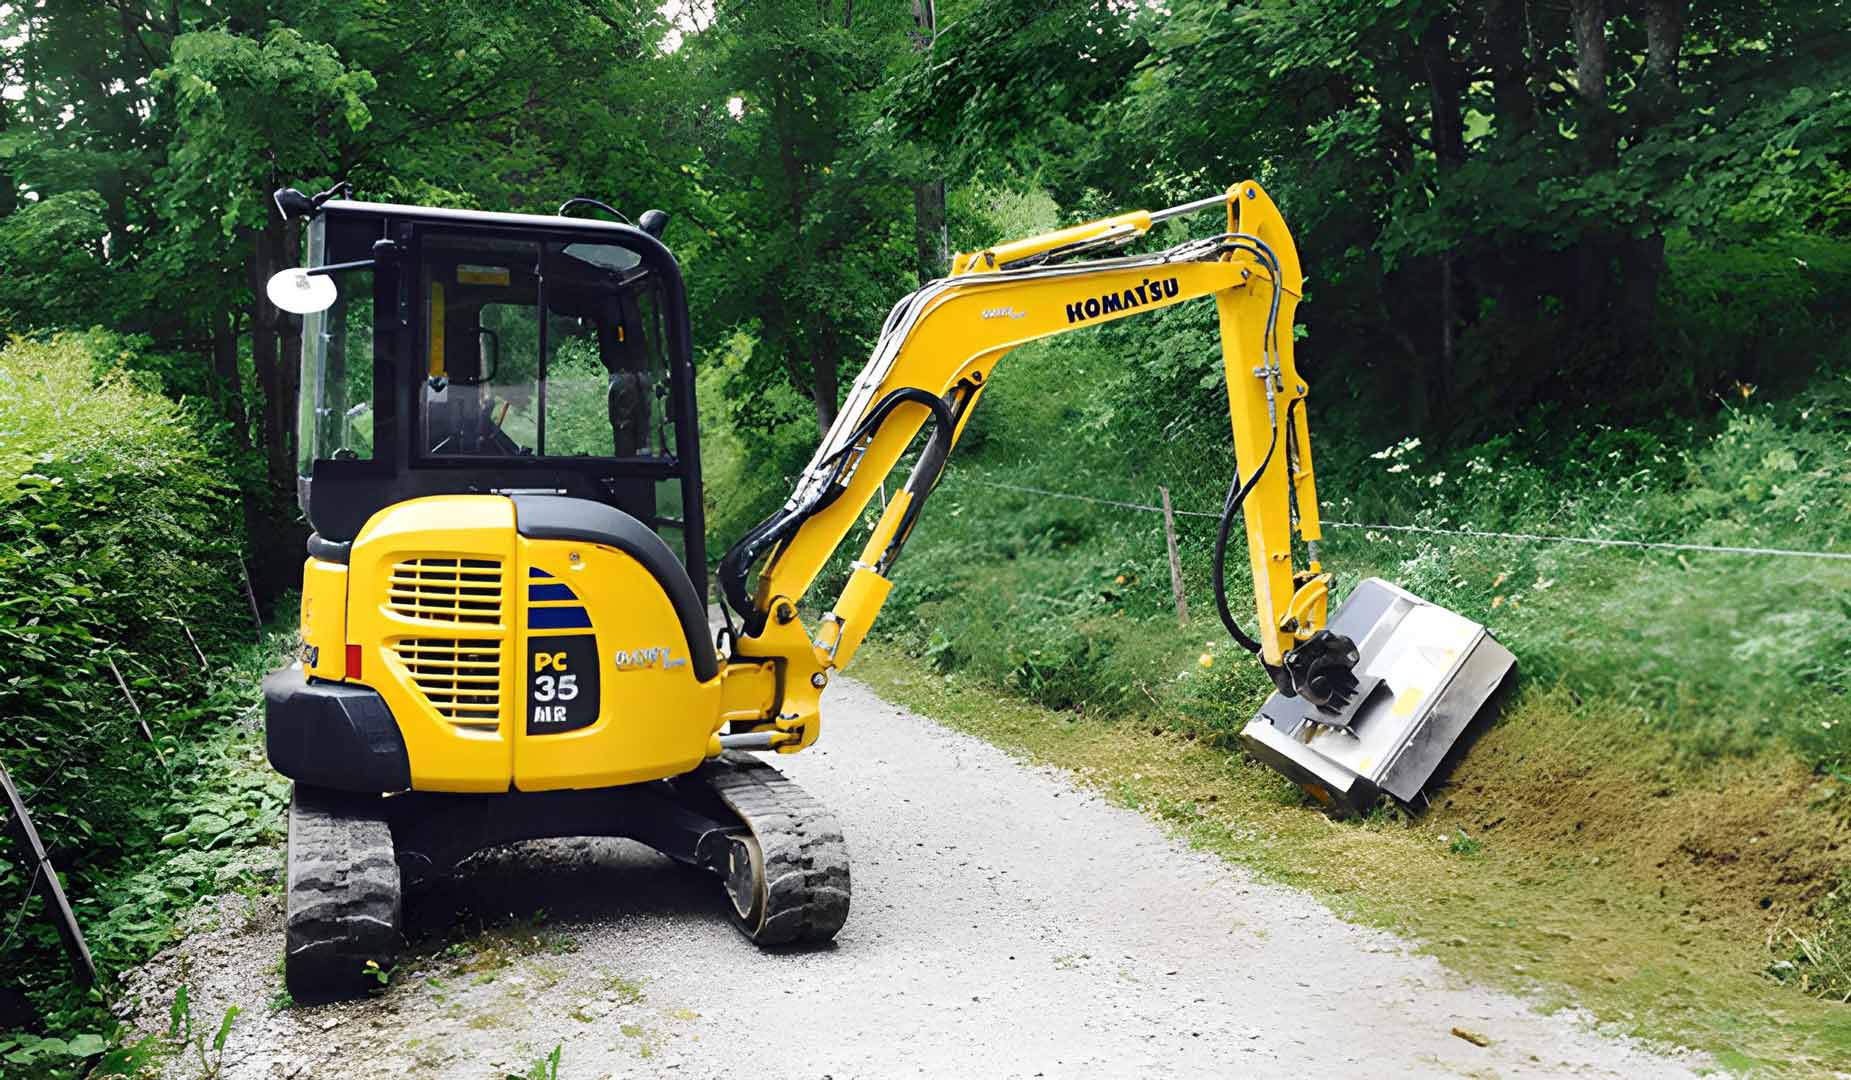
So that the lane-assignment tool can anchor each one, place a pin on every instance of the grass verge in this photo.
(1554, 862)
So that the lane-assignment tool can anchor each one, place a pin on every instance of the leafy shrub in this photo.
(749, 460)
(118, 539)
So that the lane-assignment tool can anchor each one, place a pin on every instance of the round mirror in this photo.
(299, 292)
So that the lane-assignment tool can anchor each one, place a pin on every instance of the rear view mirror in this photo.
(300, 292)
(304, 290)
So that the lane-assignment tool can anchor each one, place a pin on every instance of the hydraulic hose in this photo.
(1237, 494)
(739, 559)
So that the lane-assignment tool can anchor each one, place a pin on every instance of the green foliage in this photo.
(251, 114)
(117, 538)
(805, 176)
(181, 1031)
(749, 463)
(1465, 845)
(52, 266)
(1485, 225)
(1819, 957)
(545, 1067)
(48, 1054)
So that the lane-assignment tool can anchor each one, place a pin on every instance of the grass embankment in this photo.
(118, 561)
(1659, 827)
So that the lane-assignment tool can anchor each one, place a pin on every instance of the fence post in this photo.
(1176, 562)
(139, 718)
(204, 664)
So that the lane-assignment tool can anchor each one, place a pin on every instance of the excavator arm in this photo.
(930, 366)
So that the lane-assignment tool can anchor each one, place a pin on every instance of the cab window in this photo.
(336, 398)
(547, 349)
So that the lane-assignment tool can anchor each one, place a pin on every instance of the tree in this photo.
(817, 223)
(1488, 188)
(249, 117)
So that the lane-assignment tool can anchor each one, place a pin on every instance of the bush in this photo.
(749, 464)
(118, 537)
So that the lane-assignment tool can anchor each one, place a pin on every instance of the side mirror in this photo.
(306, 290)
(300, 292)
(292, 203)
(653, 222)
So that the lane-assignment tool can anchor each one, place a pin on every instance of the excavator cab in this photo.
(504, 626)
(469, 352)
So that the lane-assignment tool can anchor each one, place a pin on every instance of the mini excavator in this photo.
(499, 643)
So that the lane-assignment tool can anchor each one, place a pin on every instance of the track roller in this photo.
(786, 872)
(343, 900)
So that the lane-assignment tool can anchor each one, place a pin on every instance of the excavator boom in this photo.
(932, 363)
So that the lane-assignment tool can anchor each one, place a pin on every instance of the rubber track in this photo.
(343, 900)
(806, 859)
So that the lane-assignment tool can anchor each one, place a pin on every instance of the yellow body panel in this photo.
(324, 620)
(654, 719)
(397, 585)
(481, 640)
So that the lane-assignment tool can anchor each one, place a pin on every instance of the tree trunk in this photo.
(274, 380)
(824, 383)
(9, 187)
(228, 380)
(289, 356)
(931, 238)
(1591, 64)
(1446, 87)
(1594, 253)
(1642, 258)
(1505, 24)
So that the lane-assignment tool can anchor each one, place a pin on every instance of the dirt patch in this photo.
(1750, 840)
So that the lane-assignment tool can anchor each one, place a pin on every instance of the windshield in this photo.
(534, 348)
(336, 400)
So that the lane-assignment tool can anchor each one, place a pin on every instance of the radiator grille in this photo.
(461, 679)
(450, 590)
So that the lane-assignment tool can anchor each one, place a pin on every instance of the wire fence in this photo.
(1485, 534)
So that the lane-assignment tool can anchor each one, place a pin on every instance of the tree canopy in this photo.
(1500, 202)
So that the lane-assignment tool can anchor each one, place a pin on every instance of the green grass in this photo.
(1069, 602)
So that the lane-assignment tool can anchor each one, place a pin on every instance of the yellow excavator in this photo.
(505, 632)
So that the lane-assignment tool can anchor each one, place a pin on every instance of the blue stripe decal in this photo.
(558, 618)
(534, 571)
(550, 592)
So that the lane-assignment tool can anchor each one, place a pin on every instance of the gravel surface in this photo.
(1005, 924)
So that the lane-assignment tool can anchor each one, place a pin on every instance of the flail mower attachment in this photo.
(1424, 674)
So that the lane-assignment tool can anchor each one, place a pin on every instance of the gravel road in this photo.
(1006, 923)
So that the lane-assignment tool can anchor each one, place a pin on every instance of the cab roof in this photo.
(485, 218)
